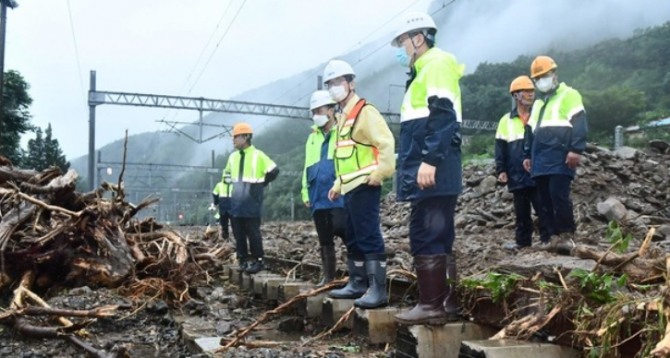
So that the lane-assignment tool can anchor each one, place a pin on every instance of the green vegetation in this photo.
(622, 82)
(499, 285)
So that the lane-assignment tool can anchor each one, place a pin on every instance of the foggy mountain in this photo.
(475, 31)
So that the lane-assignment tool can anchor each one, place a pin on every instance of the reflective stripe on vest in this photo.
(557, 111)
(353, 159)
(510, 129)
(254, 169)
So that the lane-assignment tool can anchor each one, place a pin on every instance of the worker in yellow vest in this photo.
(429, 165)
(364, 157)
(317, 179)
(509, 156)
(221, 203)
(250, 170)
(553, 149)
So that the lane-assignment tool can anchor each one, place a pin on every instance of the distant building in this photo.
(665, 122)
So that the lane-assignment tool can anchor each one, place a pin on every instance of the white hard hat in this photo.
(413, 21)
(320, 99)
(335, 69)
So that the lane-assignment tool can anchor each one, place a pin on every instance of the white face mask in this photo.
(320, 120)
(338, 93)
(545, 84)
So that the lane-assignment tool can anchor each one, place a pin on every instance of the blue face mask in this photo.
(402, 57)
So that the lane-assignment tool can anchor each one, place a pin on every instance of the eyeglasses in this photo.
(335, 82)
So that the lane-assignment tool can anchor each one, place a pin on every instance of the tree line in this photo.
(15, 121)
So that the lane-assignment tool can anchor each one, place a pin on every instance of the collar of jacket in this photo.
(247, 149)
(425, 58)
(350, 105)
(559, 88)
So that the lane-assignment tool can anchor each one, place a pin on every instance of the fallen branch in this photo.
(340, 322)
(662, 348)
(279, 309)
(636, 268)
(29, 330)
(46, 206)
(99, 312)
(257, 344)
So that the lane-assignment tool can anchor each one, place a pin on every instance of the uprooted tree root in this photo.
(52, 236)
(605, 312)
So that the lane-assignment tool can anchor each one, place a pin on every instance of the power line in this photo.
(313, 72)
(211, 36)
(197, 61)
(76, 53)
(217, 46)
(365, 57)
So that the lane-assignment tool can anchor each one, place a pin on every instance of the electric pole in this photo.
(3, 30)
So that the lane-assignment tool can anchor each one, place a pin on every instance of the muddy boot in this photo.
(565, 243)
(328, 264)
(430, 272)
(255, 266)
(451, 302)
(357, 284)
(376, 296)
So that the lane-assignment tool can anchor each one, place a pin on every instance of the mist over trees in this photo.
(623, 82)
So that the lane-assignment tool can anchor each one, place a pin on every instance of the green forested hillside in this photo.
(623, 82)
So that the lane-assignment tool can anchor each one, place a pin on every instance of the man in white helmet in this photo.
(429, 165)
(364, 157)
(317, 179)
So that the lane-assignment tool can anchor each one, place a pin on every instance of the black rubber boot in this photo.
(376, 296)
(327, 264)
(451, 302)
(430, 272)
(357, 284)
(255, 266)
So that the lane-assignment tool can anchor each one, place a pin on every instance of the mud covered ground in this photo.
(149, 328)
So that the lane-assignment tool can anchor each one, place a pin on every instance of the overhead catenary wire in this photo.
(204, 49)
(216, 47)
(197, 61)
(76, 54)
(310, 76)
(365, 57)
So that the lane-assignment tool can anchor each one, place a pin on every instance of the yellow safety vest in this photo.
(353, 159)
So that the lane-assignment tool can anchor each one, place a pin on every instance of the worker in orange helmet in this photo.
(509, 158)
(249, 170)
(554, 144)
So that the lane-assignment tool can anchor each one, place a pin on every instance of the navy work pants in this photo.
(431, 225)
(329, 223)
(224, 219)
(363, 232)
(554, 191)
(524, 199)
(247, 228)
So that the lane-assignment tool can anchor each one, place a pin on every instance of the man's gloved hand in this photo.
(212, 207)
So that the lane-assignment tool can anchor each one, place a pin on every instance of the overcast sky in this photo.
(170, 47)
(220, 48)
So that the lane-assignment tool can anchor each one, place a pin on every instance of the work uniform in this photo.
(250, 170)
(557, 126)
(364, 149)
(509, 156)
(221, 196)
(317, 179)
(430, 132)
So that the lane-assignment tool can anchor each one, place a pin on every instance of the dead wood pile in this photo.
(66, 238)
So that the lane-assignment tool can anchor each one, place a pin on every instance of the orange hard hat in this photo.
(242, 128)
(521, 83)
(541, 65)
